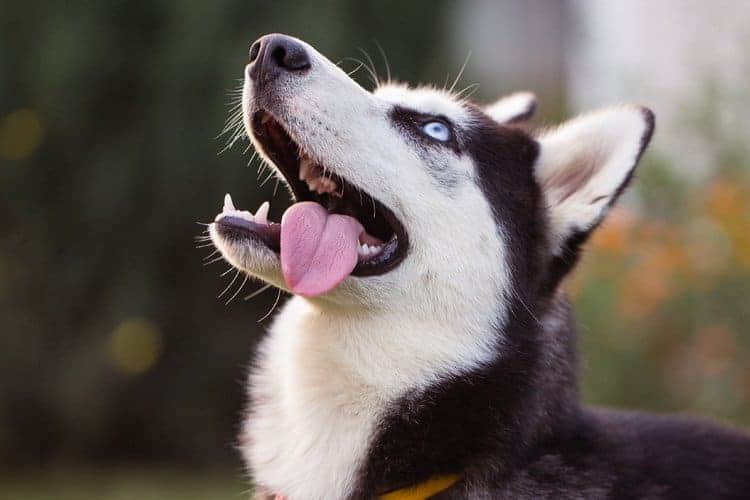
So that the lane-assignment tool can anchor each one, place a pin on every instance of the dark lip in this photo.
(237, 228)
(287, 161)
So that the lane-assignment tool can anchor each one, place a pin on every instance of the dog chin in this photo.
(257, 261)
(249, 257)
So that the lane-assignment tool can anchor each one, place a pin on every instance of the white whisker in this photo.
(257, 292)
(229, 285)
(385, 61)
(278, 296)
(217, 259)
(237, 292)
(460, 72)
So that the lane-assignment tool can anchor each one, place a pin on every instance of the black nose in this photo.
(274, 54)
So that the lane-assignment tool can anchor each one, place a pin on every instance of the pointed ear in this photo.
(583, 167)
(514, 108)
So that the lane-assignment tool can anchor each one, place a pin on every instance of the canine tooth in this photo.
(265, 118)
(313, 183)
(228, 205)
(261, 215)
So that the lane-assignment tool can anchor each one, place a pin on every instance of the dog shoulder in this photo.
(644, 455)
(691, 457)
(617, 454)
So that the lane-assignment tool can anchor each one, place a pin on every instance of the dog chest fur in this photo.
(323, 382)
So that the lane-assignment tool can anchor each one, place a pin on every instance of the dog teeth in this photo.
(366, 250)
(312, 174)
(229, 210)
(326, 186)
(228, 205)
(322, 185)
(261, 215)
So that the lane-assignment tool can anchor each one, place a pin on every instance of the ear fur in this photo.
(514, 108)
(583, 167)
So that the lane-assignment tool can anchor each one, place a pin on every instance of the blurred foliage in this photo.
(662, 294)
(662, 297)
(113, 347)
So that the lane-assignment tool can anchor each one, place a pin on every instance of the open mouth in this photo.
(332, 222)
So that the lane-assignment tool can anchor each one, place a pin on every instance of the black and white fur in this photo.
(463, 358)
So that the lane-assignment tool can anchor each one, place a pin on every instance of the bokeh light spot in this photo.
(20, 134)
(135, 346)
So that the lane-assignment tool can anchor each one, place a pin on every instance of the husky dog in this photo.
(428, 341)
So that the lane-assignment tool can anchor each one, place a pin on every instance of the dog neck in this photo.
(399, 397)
(494, 413)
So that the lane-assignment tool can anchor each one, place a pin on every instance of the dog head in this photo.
(410, 197)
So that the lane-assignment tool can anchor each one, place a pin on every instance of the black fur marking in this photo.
(515, 429)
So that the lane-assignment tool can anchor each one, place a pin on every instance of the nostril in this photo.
(289, 54)
(279, 55)
(254, 49)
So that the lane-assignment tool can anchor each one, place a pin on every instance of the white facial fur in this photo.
(350, 131)
(330, 366)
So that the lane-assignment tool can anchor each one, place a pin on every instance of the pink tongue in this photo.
(318, 249)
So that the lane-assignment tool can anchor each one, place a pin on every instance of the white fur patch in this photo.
(515, 107)
(583, 163)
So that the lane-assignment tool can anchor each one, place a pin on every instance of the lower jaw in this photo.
(240, 230)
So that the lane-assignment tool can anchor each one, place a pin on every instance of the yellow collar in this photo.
(422, 490)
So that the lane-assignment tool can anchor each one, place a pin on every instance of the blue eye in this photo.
(437, 130)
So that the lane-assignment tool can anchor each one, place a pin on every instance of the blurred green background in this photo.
(120, 370)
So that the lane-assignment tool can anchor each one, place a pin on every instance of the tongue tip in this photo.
(310, 285)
